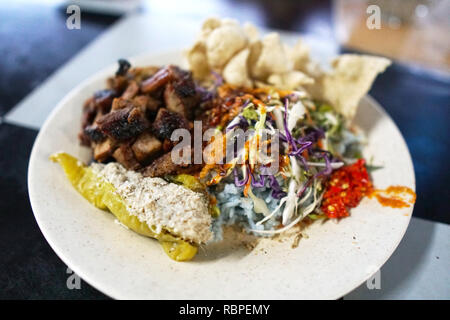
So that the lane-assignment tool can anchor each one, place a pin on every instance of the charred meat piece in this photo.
(146, 146)
(169, 73)
(124, 123)
(147, 103)
(137, 115)
(103, 100)
(124, 66)
(167, 145)
(118, 84)
(84, 139)
(161, 166)
(87, 118)
(89, 113)
(174, 102)
(164, 165)
(180, 94)
(139, 74)
(153, 104)
(121, 103)
(167, 121)
(104, 150)
(157, 81)
(94, 133)
(141, 101)
(133, 120)
(131, 91)
(125, 156)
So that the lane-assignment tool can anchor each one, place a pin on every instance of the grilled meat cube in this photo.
(176, 102)
(84, 139)
(166, 122)
(157, 81)
(121, 103)
(137, 115)
(148, 103)
(143, 73)
(118, 84)
(164, 75)
(103, 100)
(164, 165)
(103, 150)
(167, 145)
(116, 121)
(94, 133)
(146, 146)
(125, 156)
(177, 74)
(141, 101)
(124, 123)
(131, 91)
(161, 166)
(87, 118)
(124, 66)
(153, 104)
(180, 94)
(89, 113)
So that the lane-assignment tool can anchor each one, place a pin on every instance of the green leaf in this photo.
(371, 168)
(250, 113)
(325, 108)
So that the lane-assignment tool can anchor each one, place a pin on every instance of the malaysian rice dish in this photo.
(251, 134)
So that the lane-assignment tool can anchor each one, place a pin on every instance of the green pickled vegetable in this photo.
(188, 181)
(102, 195)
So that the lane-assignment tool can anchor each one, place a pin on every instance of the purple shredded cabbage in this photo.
(246, 103)
(305, 185)
(328, 169)
(277, 193)
(326, 172)
(305, 142)
(318, 152)
(258, 183)
(289, 139)
(305, 145)
(244, 181)
(314, 134)
(242, 123)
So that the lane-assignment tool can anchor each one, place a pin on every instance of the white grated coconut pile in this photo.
(159, 203)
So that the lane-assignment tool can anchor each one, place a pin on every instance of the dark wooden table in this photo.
(34, 43)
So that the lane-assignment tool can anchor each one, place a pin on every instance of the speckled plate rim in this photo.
(114, 292)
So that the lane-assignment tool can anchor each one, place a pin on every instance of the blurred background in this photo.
(44, 55)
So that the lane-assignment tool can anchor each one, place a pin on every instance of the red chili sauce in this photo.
(349, 184)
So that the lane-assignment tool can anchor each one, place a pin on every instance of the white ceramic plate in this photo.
(336, 258)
